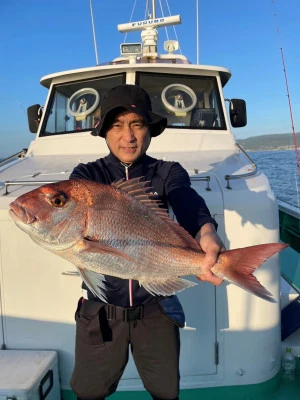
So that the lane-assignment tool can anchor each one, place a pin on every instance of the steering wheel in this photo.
(83, 103)
(178, 99)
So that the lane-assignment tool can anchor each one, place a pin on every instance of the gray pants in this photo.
(104, 335)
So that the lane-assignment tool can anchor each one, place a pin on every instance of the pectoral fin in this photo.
(91, 246)
(104, 259)
(94, 281)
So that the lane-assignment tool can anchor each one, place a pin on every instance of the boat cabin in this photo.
(231, 338)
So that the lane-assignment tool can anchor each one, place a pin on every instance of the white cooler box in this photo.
(29, 375)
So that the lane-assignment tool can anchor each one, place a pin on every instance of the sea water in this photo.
(280, 167)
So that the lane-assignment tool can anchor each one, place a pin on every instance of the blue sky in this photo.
(43, 37)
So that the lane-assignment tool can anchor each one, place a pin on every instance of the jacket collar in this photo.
(113, 160)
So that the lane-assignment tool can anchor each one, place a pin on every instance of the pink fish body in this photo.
(118, 230)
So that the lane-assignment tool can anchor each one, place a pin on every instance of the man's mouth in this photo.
(129, 149)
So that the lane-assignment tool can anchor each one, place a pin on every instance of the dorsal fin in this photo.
(139, 189)
(126, 184)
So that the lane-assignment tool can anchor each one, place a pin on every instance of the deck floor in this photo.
(288, 390)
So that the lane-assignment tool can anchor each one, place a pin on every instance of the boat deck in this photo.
(287, 390)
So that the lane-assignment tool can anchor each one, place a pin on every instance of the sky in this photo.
(43, 37)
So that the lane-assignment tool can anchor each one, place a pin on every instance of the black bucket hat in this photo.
(132, 98)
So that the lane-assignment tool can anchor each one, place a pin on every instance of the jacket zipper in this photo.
(126, 166)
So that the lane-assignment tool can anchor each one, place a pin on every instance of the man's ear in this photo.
(107, 144)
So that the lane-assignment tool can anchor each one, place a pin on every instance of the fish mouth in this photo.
(19, 213)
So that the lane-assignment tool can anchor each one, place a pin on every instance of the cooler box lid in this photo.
(23, 370)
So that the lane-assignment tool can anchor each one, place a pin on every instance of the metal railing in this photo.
(201, 178)
(241, 176)
(20, 154)
(24, 183)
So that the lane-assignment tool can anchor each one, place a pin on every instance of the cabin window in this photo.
(75, 107)
(186, 101)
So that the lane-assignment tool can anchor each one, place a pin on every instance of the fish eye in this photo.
(58, 201)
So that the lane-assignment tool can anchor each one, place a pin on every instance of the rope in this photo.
(146, 16)
(130, 18)
(175, 33)
(162, 13)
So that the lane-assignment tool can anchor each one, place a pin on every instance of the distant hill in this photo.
(280, 141)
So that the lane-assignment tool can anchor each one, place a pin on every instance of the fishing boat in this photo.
(232, 342)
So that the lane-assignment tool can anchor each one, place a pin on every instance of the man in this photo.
(133, 317)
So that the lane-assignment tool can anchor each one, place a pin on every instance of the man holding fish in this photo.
(129, 253)
(128, 125)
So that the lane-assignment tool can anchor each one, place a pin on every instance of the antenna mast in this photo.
(94, 35)
(197, 30)
(153, 9)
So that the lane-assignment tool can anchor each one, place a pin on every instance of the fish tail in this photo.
(238, 266)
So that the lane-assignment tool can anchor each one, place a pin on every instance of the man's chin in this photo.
(128, 161)
(129, 158)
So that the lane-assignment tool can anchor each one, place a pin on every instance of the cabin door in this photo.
(198, 337)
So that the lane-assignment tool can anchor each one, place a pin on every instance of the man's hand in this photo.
(212, 245)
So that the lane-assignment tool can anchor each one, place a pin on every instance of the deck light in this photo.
(131, 49)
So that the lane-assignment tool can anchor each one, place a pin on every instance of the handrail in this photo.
(70, 273)
(240, 176)
(20, 154)
(201, 178)
(24, 183)
(289, 209)
(34, 183)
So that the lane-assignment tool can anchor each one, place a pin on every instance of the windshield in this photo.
(75, 106)
(186, 101)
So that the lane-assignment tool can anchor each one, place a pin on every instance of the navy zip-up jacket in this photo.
(171, 185)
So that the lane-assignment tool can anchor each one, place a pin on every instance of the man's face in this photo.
(128, 137)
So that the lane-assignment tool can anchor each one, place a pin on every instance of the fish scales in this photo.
(150, 241)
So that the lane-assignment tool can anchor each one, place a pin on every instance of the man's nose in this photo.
(128, 133)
